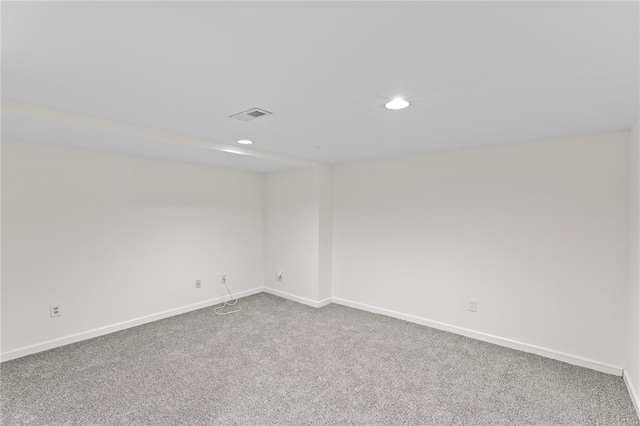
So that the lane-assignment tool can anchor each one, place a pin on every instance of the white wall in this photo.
(632, 367)
(114, 238)
(537, 233)
(298, 233)
(325, 238)
(292, 232)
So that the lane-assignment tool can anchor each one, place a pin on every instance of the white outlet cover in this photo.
(55, 310)
(472, 305)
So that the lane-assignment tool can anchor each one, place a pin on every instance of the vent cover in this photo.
(250, 114)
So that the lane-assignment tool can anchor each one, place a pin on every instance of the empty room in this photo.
(320, 213)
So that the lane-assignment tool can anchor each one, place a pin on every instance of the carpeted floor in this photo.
(280, 362)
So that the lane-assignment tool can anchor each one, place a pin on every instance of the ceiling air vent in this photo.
(250, 114)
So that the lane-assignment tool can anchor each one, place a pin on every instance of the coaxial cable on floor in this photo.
(232, 301)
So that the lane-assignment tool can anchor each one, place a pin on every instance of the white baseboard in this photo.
(325, 302)
(299, 299)
(50, 344)
(501, 341)
(633, 393)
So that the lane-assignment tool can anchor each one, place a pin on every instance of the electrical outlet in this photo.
(198, 284)
(55, 310)
(224, 279)
(279, 276)
(472, 305)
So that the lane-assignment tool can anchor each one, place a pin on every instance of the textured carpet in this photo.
(280, 362)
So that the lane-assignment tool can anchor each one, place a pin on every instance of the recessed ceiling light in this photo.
(245, 142)
(397, 103)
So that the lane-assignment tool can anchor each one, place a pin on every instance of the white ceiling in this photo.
(476, 73)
